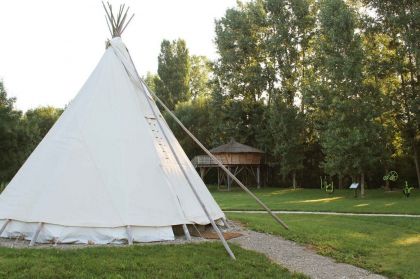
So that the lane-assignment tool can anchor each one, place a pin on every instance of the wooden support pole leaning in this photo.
(186, 232)
(219, 234)
(215, 227)
(213, 224)
(159, 121)
(129, 235)
(4, 226)
(228, 172)
(35, 237)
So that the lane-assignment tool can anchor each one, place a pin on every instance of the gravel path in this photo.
(298, 258)
(324, 213)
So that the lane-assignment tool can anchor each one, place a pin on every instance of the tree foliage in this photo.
(399, 21)
(41, 120)
(199, 83)
(15, 137)
(174, 67)
(347, 122)
(20, 133)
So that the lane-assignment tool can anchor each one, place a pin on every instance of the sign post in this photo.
(354, 186)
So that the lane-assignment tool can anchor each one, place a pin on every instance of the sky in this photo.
(48, 48)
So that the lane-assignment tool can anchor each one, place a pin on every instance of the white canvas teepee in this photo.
(109, 170)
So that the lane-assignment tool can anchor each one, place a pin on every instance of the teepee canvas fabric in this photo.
(105, 165)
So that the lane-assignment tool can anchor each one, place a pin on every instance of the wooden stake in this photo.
(35, 237)
(186, 232)
(129, 235)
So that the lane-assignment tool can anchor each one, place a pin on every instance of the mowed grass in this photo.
(375, 201)
(207, 260)
(386, 245)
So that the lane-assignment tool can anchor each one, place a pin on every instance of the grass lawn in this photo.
(375, 201)
(386, 245)
(207, 260)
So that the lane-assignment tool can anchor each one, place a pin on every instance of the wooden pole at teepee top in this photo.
(116, 22)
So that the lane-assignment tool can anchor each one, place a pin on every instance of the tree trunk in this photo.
(294, 180)
(386, 181)
(340, 181)
(416, 162)
(228, 180)
(362, 184)
(302, 104)
(258, 178)
(218, 178)
(202, 173)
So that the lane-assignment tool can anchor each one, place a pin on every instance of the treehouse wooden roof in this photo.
(235, 147)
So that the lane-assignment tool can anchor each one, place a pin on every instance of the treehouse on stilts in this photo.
(236, 157)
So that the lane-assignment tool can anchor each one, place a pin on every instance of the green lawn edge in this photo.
(341, 201)
(384, 245)
(207, 260)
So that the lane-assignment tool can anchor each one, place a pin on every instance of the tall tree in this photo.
(201, 69)
(263, 47)
(195, 115)
(286, 124)
(14, 137)
(241, 72)
(380, 77)
(151, 79)
(292, 25)
(348, 129)
(401, 21)
(41, 120)
(174, 68)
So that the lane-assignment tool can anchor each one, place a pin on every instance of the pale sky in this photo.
(49, 48)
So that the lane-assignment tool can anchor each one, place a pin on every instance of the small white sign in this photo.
(354, 186)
